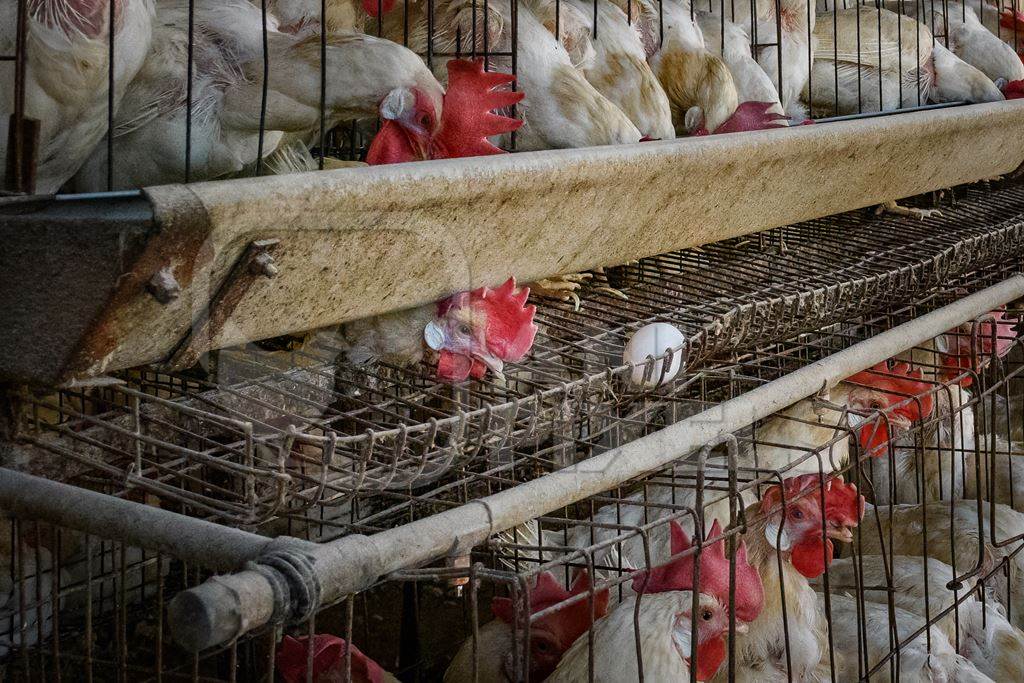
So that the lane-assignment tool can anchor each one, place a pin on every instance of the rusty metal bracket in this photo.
(255, 263)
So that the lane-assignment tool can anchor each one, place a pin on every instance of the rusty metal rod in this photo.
(197, 541)
(226, 607)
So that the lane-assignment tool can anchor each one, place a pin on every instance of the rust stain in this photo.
(182, 232)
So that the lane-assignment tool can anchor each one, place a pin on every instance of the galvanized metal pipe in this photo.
(203, 543)
(225, 607)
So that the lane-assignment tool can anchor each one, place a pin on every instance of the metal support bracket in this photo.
(255, 263)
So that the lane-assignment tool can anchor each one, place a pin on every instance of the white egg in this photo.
(654, 340)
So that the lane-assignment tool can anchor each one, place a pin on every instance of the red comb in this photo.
(750, 116)
(510, 327)
(898, 384)
(1014, 90)
(962, 340)
(377, 7)
(567, 623)
(793, 486)
(467, 119)
(843, 505)
(1013, 20)
(328, 661)
(677, 575)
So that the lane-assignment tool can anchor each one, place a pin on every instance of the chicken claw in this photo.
(897, 210)
(561, 287)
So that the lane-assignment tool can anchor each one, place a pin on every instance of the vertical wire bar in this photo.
(88, 608)
(917, 43)
(263, 94)
(430, 34)
(19, 550)
(121, 600)
(810, 57)
(40, 616)
(515, 60)
(16, 171)
(899, 53)
(159, 664)
(110, 95)
(778, 43)
(860, 96)
(55, 589)
(835, 56)
(878, 19)
(323, 81)
(188, 90)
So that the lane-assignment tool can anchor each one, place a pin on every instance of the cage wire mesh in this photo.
(282, 439)
(259, 430)
(80, 607)
(187, 90)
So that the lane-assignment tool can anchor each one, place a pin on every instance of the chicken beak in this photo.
(493, 363)
(843, 534)
(900, 421)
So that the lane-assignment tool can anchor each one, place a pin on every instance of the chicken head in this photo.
(796, 527)
(713, 585)
(416, 126)
(899, 391)
(481, 329)
(844, 509)
(552, 634)
(328, 661)
(994, 339)
(748, 116)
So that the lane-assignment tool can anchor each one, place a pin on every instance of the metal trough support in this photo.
(144, 271)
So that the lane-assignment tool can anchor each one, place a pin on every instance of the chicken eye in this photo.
(876, 405)
(706, 615)
(425, 121)
(465, 330)
(543, 646)
(797, 514)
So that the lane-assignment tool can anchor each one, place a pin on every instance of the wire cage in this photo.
(258, 430)
(86, 607)
(179, 91)
(285, 439)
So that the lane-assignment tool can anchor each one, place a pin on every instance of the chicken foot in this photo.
(895, 209)
(566, 288)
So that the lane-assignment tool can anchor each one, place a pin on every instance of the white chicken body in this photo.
(790, 25)
(884, 61)
(762, 651)
(924, 659)
(733, 46)
(691, 74)
(984, 635)
(67, 75)
(664, 630)
(619, 69)
(227, 92)
(968, 38)
(914, 526)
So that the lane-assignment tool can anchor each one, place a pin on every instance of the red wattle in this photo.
(710, 656)
(873, 437)
(371, 7)
(454, 367)
(391, 145)
(808, 559)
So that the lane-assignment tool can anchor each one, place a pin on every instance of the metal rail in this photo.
(436, 227)
(226, 607)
